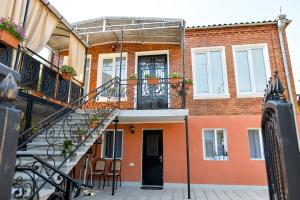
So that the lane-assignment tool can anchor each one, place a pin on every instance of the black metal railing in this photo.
(142, 94)
(280, 144)
(64, 125)
(37, 169)
(40, 76)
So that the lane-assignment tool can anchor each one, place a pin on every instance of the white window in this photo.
(209, 73)
(252, 69)
(255, 144)
(215, 144)
(108, 144)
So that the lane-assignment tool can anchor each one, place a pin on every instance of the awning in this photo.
(106, 30)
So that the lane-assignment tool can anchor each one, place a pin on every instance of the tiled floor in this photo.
(134, 193)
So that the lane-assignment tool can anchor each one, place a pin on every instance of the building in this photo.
(229, 64)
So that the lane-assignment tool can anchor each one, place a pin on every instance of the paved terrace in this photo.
(134, 193)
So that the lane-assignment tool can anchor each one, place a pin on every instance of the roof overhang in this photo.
(106, 30)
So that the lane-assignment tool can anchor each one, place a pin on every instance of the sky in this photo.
(195, 12)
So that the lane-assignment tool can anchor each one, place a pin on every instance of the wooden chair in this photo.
(98, 170)
(117, 173)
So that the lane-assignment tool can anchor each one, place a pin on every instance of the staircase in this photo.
(41, 166)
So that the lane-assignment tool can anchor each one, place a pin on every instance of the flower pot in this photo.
(174, 80)
(188, 87)
(93, 124)
(132, 82)
(8, 39)
(153, 81)
(66, 76)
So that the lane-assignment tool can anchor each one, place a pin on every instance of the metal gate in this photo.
(280, 144)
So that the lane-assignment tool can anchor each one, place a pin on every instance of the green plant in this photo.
(148, 76)
(175, 75)
(68, 70)
(67, 148)
(132, 77)
(81, 131)
(188, 82)
(94, 118)
(10, 26)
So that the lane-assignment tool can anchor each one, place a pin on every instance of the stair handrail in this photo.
(57, 116)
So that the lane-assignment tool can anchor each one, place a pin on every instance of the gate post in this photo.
(9, 123)
(280, 144)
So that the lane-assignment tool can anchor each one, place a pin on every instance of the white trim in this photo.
(260, 141)
(215, 140)
(209, 95)
(150, 53)
(113, 56)
(248, 48)
(89, 56)
(103, 140)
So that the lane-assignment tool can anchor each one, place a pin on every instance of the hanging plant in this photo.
(68, 72)
(174, 77)
(188, 84)
(152, 79)
(132, 80)
(11, 34)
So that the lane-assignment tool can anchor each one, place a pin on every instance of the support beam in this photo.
(114, 157)
(187, 156)
(183, 65)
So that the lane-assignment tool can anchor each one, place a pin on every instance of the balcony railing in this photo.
(144, 95)
(40, 77)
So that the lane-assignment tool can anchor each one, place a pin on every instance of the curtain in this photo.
(243, 71)
(216, 72)
(254, 143)
(259, 69)
(201, 73)
(118, 144)
(40, 25)
(77, 56)
(209, 143)
(14, 9)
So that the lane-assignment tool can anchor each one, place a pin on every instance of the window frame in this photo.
(209, 95)
(215, 137)
(248, 48)
(261, 144)
(113, 56)
(104, 145)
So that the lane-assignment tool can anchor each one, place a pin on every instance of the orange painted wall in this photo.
(238, 170)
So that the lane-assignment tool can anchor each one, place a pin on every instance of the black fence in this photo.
(280, 144)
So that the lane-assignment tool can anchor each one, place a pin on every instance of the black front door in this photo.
(152, 96)
(152, 157)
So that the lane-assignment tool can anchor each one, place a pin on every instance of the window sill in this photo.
(257, 159)
(111, 158)
(212, 96)
(250, 95)
(215, 159)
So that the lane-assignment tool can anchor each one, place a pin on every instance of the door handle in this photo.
(160, 158)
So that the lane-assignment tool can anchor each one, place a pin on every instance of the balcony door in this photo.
(152, 96)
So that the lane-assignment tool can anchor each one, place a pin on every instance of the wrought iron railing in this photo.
(39, 76)
(280, 144)
(64, 125)
(141, 94)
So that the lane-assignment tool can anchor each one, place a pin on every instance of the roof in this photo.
(136, 30)
(258, 23)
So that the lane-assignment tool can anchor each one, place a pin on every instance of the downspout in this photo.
(281, 24)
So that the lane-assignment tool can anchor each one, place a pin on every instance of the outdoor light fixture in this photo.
(132, 129)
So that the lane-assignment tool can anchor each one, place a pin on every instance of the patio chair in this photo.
(98, 170)
(110, 173)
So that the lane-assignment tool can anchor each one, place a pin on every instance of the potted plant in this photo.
(152, 79)
(81, 134)
(175, 77)
(94, 121)
(68, 72)
(226, 155)
(67, 149)
(11, 34)
(132, 80)
(188, 84)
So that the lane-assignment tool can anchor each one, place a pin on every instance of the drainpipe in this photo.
(281, 24)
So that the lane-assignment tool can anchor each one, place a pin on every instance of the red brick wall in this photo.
(208, 38)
